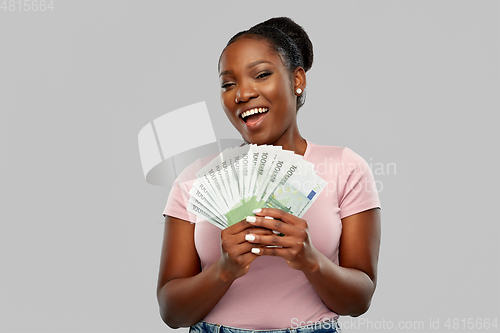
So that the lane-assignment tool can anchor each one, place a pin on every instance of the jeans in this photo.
(330, 326)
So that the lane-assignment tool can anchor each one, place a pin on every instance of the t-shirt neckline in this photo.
(308, 149)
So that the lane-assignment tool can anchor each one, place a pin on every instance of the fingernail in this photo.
(255, 250)
(251, 219)
(249, 237)
(269, 217)
(256, 211)
(276, 232)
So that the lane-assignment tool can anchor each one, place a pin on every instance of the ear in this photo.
(299, 76)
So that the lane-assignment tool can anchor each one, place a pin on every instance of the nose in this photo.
(245, 92)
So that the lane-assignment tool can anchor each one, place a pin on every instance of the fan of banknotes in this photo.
(241, 179)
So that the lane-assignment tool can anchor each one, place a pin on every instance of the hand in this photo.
(236, 251)
(295, 246)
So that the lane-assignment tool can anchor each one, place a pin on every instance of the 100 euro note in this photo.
(259, 164)
(242, 179)
(296, 195)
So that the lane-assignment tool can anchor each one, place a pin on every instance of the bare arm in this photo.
(186, 294)
(347, 288)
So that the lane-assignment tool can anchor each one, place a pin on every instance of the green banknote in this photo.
(241, 179)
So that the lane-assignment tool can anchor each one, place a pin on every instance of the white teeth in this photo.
(253, 111)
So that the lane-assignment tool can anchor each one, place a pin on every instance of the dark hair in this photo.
(288, 39)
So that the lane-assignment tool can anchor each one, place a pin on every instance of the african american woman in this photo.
(245, 277)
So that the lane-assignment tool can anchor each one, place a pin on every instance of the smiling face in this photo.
(257, 93)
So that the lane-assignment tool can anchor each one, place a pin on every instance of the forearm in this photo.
(346, 291)
(185, 301)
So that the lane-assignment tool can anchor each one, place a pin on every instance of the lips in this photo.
(253, 116)
(254, 119)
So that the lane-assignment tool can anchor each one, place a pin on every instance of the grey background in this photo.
(413, 83)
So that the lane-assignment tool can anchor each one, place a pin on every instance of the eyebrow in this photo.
(250, 65)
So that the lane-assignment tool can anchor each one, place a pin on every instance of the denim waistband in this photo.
(327, 326)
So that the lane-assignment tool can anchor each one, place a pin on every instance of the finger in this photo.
(230, 241)
(262, 230)
(270, 240)
(273, 224)
(273, 212)
(259, 231)
(279, 215)
(236, 250)
(272, 251)
(240, 237)
(238, 227)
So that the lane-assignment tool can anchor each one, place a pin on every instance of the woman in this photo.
(325, 264)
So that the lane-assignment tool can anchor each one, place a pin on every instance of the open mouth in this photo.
(253, 116)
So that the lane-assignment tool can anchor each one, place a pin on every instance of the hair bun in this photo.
(297, 34)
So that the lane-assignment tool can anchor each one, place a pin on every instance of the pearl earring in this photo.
(298, 91)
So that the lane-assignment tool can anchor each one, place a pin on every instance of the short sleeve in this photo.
(178, 198)
(357, 190)
(177, 203)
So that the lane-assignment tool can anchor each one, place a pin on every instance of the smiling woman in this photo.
(273, 57)
(258, 94)
(245, 277)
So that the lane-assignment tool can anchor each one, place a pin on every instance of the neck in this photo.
(293, 141)
(290, 140)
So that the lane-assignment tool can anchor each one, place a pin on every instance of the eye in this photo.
(227, 85)
(263, 75)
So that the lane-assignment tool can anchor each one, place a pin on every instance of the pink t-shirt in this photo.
(272, 295)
